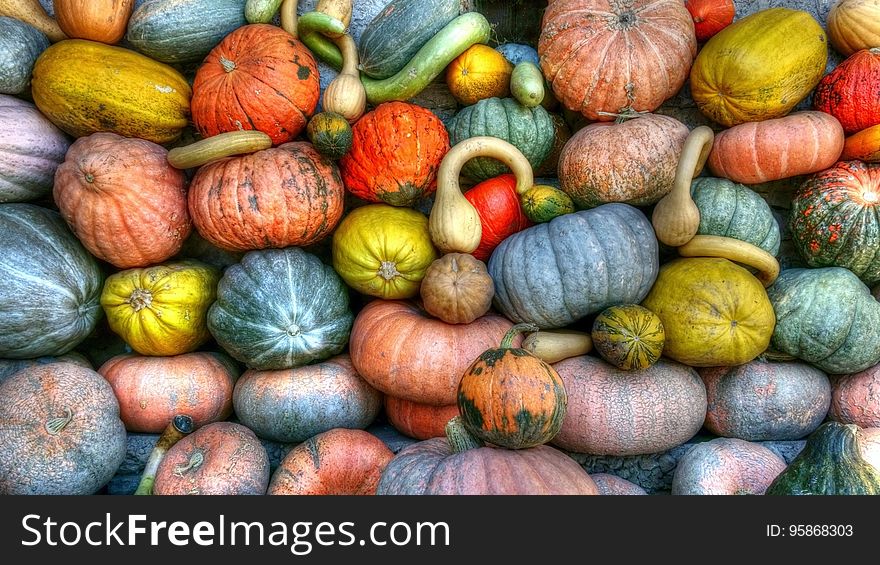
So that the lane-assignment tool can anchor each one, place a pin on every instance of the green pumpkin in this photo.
(831, 463)
(20, 45)
(331, 134)
(530, 130)
(731, 209)
(826, 317)
(280, 309)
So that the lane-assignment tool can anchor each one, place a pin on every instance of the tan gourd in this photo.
(339, 9)
(31, 12)
(676, 218)
(555, 345)
(217, 147)
(346, 95)
(288, 17)
(734, 250)
(454, 223)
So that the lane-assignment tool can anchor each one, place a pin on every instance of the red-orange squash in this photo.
(259, 78)
(797, 144)
(500, 212)
(123, 200)
(726, 466)
(152, 390)
(864, 146)
(851, 92)
(609, 55)
(710, 16)
(417, 420)
(395, 153)
(855, 398)
(614, 485)
(98, 20)
(285, 196)
(335, 462)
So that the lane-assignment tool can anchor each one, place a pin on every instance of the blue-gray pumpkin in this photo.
(732, 210)
(20, 45)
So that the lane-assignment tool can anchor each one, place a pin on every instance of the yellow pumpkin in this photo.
(85, 87)
(478, 73)
(759, 67)
(161, 310)
(383, 250)
(714, 312)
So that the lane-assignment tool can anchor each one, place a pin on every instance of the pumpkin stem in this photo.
(195, 461)
(55, 425)
(623, 115)
(228, 65)
(507, 340)
(460, 439)
(179, 426)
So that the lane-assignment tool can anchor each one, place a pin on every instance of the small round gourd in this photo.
(628, 336)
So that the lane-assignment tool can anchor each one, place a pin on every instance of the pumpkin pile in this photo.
(486, 224)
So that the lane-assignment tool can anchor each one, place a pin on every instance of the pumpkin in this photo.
(510, 397)
(610, 485)
(404, 352)
(31, 148)
(152, 390)
(528, 129)
(478, 73)
(713, 310)
(854, 25)
(331, 134)
(289, 195)
(726, 466)
(650, 43)
(830, 464)
(855, 398)
(582, 262)
(766, 401)
(161, 310)
(628, 336)
(826, 317)
(616, 412)
(710, 16)
(775, 149)
(335, 462)
(542, 203)
(60, 431)
(871, 446)
(85, 87)
(395, 153)
(292, 405)
(257, 78)
(833, 219)
(457, 288)
(223, 458)
(9, 367)
(309, 319)
(183, 31)
(518, 52)
(847, 92)
(499, 211)
(417, 420)
(632, 162)
(383, 251)
(123, 200)
(759, 67)
(20, 45)
(458, 464)
(101, 20)
(729, 209)
(864, 146)
(51, 285)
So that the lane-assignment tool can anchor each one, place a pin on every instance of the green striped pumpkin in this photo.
(629, 336)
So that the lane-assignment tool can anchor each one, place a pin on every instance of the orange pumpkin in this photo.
(417, 420)
(123, 200)
(480, 72)
(395, 153)
(850, 91)
(98, 20)
(258, 78)
(863, 146)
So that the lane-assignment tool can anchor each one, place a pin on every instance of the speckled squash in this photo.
(733, 210)
(849, 91)
(855, 398)
(542, 203)
(417, 420)
(726, 466)
(610, 485)
(628, 336)
(331, 134)
(20, 45)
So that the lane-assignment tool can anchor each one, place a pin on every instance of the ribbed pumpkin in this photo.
(604, 56)
(478, 73)
(726, 466)
(292, 405)
(383, 251)
(611, 485)
(259, 78)
(163, 309)
(855, 398)
(499, 210)
(60, 431)
(20, 45)
(152, 390)
(616, 412)
(528, 129)
(864, 146)
(854, 25)
(710, 16)
(510, 397)
(457, 288)
(331, 134)
(827, 317)
(713, 310)
(628, 336)
(766, 401)
(31, 148)
(730, 209)
(85, 87)
(280, 197)
(759, 67)
(849, 91)
(632, 162)
(123, 200)
(402, 351)
(335, 462)
(98, 20)
(417, 420)
(834, 222)
(51, 285)
(395, 153)
(308, 320)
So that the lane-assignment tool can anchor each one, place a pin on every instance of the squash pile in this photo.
(484, 224)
